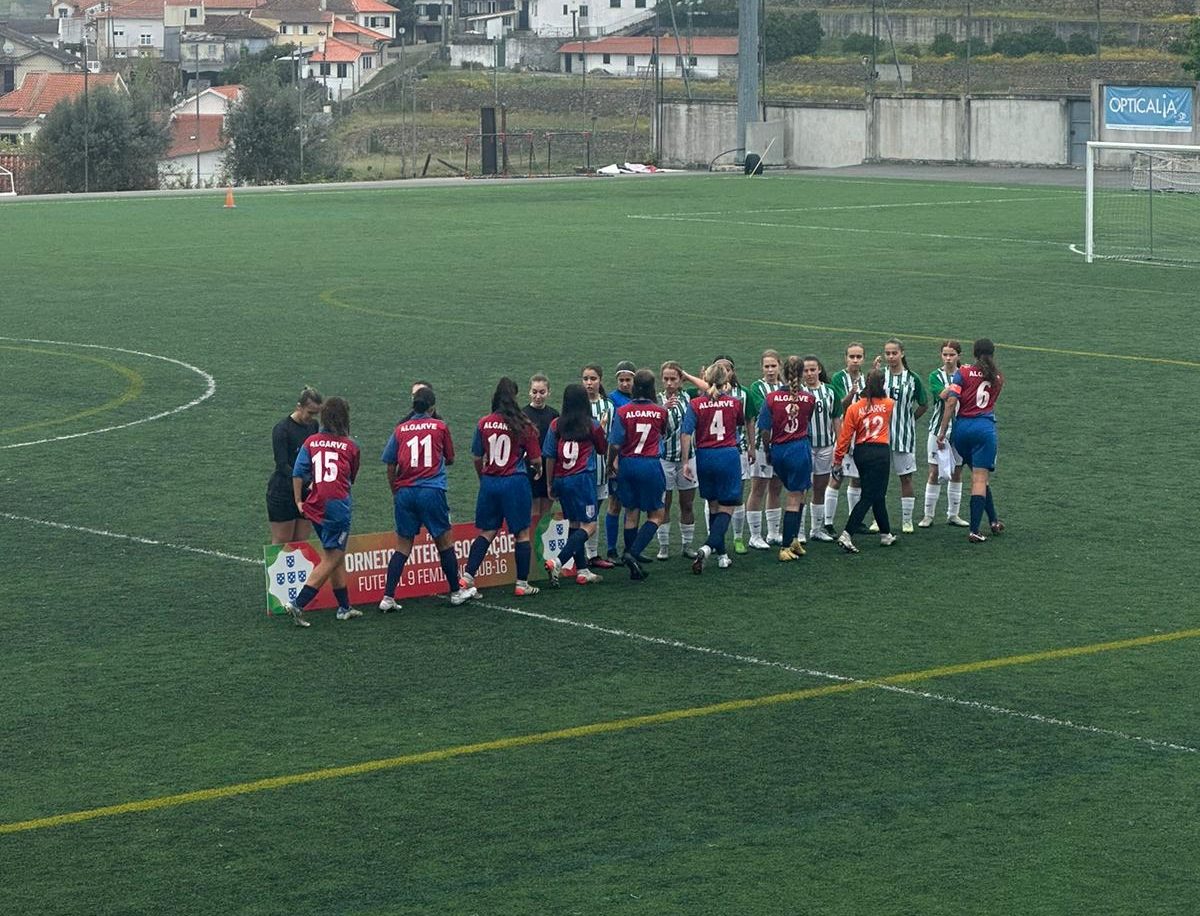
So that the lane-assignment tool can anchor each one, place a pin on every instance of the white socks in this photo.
(593, 543)
(907, 503)
(953, 497)
(773, 516)
(853, 495)
(932, 492)
(754, 518)
(739, 522)
(817, 516)
(688, 532)
(664, 535)
(831, 501)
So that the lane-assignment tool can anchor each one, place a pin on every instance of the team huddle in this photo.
(798, 436)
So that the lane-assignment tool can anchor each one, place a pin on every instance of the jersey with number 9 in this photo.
(420, 447)
(572, 456)
(714, 421)
(976, 395)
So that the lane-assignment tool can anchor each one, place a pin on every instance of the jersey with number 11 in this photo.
(420, 448)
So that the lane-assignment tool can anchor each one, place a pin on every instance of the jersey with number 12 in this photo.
(420, 447)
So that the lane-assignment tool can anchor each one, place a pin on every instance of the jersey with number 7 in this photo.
(420, 447)
(714, 421)
(976, 395)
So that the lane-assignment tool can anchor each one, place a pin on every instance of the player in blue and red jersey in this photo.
(506, 451)
(712, 421)
(416, 457)
(328, 463)
(975, 389)
(571, 448)
(784, 421)
(634, 450)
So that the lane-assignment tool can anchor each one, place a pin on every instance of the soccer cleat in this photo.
(466, 580)
(845, 543)
(829, 531)
(524, 589)
(800, 537)
(463, 595)
(821, 534)
(348, 613)
(615, 556)
(957, 521)
(389, 604)
(636, 573)
(297, 615)
(976, 538)
(724, 561)
(663, 553)
(874, 529)
(997, 527)
(907, 528)
(701, 555)
(887, 540)
(756, 543)
(786, 555)
(600, 563)
(774, 540)
(690, 552)
(926, 522)
(554, 570)
(797, 548)
(587, 577)
(739, 546)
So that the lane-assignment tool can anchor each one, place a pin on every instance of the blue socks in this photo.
(791, 526)
(449, 567)
(612, 529)
(343, 596)
(479, 549)
(522, 552)
(576, 541)
(395, 570)
(977, 506)
(645, 535)
(631, 536)
(307, 594)
(719, 524)
(988, 506)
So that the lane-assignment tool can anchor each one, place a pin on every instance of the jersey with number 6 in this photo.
(572, 456)
(714, 421)
(639, 429)
(504, 452)
(976, 395)
(331, 463)
(420, 447)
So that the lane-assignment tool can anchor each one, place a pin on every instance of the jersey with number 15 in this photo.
(420, 447)
(976, 395)
(714, 421)
(330, 463)
(502, 451)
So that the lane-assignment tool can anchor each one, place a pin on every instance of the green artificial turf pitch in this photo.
(135, 670)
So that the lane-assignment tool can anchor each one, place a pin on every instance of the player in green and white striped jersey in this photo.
(602, 412)
(822, 436)
(939, 378)
(907, 390)
(846, 384)
(764, 485)
(676, 400)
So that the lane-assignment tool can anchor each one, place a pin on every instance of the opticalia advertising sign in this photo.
(1166, 108)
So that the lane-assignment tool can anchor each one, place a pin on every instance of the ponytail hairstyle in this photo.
(504, 402)
(874, 387)
(575, 421)
(900, 344)
(717, 377)
(643, 385)
(821, 374)
(732, 374)
(793, 374)
(954, 345)
(309, 395)
(335, 416)
(596, 367)
(985, 359)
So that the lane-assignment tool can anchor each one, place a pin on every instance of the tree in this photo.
(273, 130)
(789, 36)
(250, 66)
(1192, 50)
(1080, 43)
(124, 142)
(943, 44)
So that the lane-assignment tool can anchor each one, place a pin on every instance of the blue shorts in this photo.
(577, 496)
(333, 535)
(503, 499)
(975, 439)
(641, 484)
(417, 506)
(793, 464)
(719, 471)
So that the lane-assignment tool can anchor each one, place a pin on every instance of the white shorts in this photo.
(932, 447)
(761, 467)
(746, 466)
(822, 460)
(601, 491)
(673, 471)
(904, 462)
(849, 468)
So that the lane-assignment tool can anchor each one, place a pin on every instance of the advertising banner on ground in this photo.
(1162, 108)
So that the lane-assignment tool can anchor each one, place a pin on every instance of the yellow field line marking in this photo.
(133, 390)
(584, 731)
(1008, 346)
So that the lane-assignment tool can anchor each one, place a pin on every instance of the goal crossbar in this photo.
(11, 190)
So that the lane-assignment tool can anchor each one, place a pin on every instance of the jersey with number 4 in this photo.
(331, 463)
(420, 447)
(639, 429)
(714, 421)
(572, 456)
(504, 452)
(976, 395)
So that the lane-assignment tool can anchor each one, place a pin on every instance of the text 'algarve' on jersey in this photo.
(502, 451)
(572, 456)
(638, 429)
(787, 414)
(420, 447)
(714, 422)
(330, 464)
(976, 395)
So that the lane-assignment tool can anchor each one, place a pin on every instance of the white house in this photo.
(371, 14)
(22, 54)
(216, 100)
(588, 19)
(196, 156)
(343, 68)
(131, 29)
(705, 57)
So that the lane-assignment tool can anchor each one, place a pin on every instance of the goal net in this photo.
(8, 186)
(1143, 202)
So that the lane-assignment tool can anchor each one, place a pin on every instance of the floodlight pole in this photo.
(748, 75)
(197, 87)
(88, 26)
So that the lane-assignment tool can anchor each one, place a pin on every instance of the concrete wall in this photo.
(923, 129)
(823, 136)
(1029, 131)
(694, 133)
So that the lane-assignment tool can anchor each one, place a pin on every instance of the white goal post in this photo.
(1142, 202)
(8, 184)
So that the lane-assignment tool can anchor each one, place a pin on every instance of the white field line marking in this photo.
(683, 646)
(209, 390)
(897, 206)
(904, 232)
(1144, 262)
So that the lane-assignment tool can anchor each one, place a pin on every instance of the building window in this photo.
(678, 63)
(325, 70)
(193, 13)
(282, 29)
(566, 12)
(607, 58)
(691, 61)
(368, 63)
(630, 62)
(583, 12)
(118, 33)
(303, 30)
(62, 13)
(120, 53)
(640, 4)
(580, 56)
(342, 70)
(145, 39)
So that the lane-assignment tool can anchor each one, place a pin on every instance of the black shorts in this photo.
(281, 503)
(539, 487)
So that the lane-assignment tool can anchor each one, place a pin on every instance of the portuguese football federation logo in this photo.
(288, 569)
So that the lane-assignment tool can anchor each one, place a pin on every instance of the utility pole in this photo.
(88, 27)
(197, 87)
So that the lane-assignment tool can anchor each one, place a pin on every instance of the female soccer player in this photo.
(416, 457)
(540, 414)
(712, 420)
(867, 423)
(328, 462)
(784, 421)
(847, 384)
(906, 389)
(675, 400)
(764, 484)
(572, 447)
(974, 389)
(287, 525)
(505, 445)
(612, 518)
(633, 458)
(602, 409)
(939, 378)
(822, 435)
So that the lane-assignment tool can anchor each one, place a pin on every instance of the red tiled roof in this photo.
(135, 9)
(189, 133)
(232, 5)
(338, 51)
(232, 92)
(39, 92)
(644, 44)
(371, 6)
(346, 27)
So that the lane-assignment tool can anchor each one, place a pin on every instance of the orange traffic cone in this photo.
(229, 204)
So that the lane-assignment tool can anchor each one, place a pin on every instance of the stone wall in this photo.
(1131, 9)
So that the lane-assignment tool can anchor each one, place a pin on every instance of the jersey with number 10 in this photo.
(502, 451)
(715, 421)
(420, 447)
(639, 429)
(976, 395)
